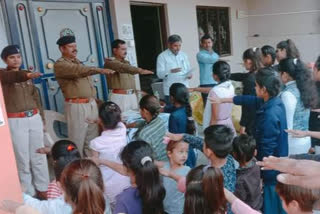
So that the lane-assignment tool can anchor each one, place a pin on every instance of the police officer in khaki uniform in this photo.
(122, 84)
(24, 108)
(79, 92)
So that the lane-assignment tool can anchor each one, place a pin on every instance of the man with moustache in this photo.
(79, 92)
(122, 84)
(206, 58)
(173, 66)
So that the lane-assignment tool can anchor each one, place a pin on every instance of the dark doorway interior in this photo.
(150, 35)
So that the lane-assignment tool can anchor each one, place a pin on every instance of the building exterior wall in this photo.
(182, 20)
(276, 20)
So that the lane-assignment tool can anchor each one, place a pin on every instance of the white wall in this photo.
(302, 26)
(182, 20)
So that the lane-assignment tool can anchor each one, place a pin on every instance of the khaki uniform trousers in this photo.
(125, 101)
(27, 136)
(80, 131)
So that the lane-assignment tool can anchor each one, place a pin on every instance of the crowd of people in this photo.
(97, 171)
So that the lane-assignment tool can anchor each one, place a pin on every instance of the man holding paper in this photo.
(173, 65)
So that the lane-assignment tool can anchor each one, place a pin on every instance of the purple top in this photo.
(128, 202)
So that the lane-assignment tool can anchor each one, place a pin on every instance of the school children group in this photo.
(157, 172)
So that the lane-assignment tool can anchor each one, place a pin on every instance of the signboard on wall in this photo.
(9, 181)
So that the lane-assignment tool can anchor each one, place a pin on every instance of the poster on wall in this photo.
(127, 32)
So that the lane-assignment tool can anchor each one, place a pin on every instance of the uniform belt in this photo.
(122, 91)
(23, 114)
(77, 100)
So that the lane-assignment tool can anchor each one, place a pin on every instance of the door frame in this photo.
(13, 37)
(163, 16)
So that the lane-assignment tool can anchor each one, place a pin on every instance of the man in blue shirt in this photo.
(206, 58)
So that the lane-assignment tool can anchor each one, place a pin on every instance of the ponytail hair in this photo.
(222, 70)
(303, 77)
(253, 54)
(137, 156)
(290, 47)
(180, 94)
(151, 104)
(83, 186)
(205, 191)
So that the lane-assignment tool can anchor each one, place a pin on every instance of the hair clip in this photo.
(190, 118)
(204, 169)
(254, 49)
(195, 182)
(70, 148)
(145, 160)
(295, 60)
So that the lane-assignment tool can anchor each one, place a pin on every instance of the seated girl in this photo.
(108, 146)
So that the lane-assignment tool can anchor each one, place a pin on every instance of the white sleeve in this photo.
(290, 102)
(187, 64)
(161, 67)
(56, 205)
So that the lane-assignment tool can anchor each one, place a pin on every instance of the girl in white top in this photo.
(298, 96)
(108, 146)
(82, 185)
(219, 113)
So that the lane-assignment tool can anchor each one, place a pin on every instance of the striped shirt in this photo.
(54, 191)
(153, 134)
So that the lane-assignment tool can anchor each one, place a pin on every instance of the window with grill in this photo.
(214, 21)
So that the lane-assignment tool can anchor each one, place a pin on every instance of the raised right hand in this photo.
(146, 72)
(34, 75)
(107, 71)
(174, 137)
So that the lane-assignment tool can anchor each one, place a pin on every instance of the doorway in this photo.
(150, 35)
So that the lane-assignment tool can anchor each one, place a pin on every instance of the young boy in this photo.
(216, 146)
(270, 134)
(248, 188)
(24, 108)
(297, 200)
(269, 56)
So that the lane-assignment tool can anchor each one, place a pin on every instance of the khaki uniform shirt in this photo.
(74, 78)
(20, 94)
(124, 76)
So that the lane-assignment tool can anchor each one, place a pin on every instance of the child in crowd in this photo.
(215, 113)
(146, 194)
(252, 63)
(205, 193)
(268, 56)
(248, 185)
(270, 129)
(82, 185)
(314, 122)
(287, 49)
(217, 146)
(152, 128)
(180, 120)
(220, 113)
(108, 146)
(298, 96)
(297, 200)
(177, 152)
(63, 152)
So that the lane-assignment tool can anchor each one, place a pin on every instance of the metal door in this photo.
(36, 26)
